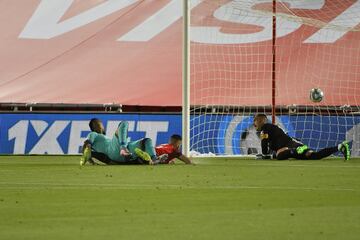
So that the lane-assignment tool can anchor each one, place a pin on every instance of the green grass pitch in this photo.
(51, 197)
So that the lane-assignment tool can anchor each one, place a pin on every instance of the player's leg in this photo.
(122, 133)
(86, 156)
(323, 153)
(303, 152)
(120, 141)
(149, 147)
(295, 149)
(344, 148)
(142, 148)
(101, 157)
(284, 154)
(144, 144)
(292, 153)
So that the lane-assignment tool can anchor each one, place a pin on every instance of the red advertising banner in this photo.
(130, 52)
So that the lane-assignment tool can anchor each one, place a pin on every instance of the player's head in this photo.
(259, 120)
(175, 140)
(96, 125)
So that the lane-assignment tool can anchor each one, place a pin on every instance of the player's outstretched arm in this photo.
(185, 159)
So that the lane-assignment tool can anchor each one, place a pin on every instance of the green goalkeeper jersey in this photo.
(103, 144)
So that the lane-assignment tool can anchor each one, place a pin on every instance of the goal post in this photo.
(186, 79)
(264, 56)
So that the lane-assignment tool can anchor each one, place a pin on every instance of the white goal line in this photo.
(30, 185)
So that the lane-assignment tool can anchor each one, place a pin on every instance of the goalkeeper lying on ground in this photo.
(116, 150)
(274, 139)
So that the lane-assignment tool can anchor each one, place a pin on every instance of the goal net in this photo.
(254, 56)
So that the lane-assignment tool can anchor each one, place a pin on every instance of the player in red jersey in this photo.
(167, 153)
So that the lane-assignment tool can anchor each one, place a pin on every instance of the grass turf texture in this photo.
(50, 197)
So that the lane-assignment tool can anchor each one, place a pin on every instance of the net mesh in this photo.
(316, 46)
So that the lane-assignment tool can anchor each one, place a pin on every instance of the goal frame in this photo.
(186, 79)
(186, 44)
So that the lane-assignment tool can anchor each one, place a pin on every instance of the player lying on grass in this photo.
(116, 150)
(274, 139)
(168, 153)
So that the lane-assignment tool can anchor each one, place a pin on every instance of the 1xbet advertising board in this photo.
(65, 133)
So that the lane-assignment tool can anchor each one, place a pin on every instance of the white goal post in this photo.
(186, 79)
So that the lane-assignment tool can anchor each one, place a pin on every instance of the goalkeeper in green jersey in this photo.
(116, 150)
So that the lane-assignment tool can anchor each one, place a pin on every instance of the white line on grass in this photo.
(13, 185)
(299, 165)
(277, 164)
(281, 164)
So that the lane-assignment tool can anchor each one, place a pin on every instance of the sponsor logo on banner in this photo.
(52, 12)
(236, 134)
(65, 133)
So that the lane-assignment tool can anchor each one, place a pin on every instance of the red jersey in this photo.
(168, 149)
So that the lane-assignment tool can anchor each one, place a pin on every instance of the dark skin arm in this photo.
(86, 144)
(185, 159)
